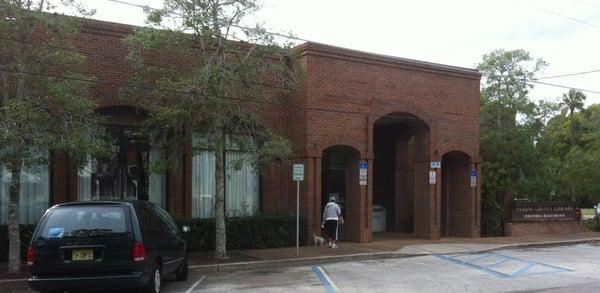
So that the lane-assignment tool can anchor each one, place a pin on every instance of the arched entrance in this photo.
(400, 145)
(126, 172)
(339, 178)
(456, 194)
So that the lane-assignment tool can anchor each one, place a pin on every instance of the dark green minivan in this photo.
(106, 245)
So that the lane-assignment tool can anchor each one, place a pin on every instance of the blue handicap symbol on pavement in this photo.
(502, 266)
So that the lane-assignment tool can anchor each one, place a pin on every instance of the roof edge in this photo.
(352, 53)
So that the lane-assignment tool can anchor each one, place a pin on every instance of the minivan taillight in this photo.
(139, 251)
(30, 255)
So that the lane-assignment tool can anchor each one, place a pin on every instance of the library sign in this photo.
(539, 211)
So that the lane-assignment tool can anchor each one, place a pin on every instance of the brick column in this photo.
(60, 179)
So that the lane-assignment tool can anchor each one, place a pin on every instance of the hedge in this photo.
(26, 231)
(259, 231)
(591, 224)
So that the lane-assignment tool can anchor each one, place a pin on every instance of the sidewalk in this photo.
(384, 245)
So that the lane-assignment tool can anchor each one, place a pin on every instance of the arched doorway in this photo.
(125, 173)
(400, 145)
(456, 194)
(339, 178)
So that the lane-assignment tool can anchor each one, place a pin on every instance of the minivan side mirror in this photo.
(185, 229)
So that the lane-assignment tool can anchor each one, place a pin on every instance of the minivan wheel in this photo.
(153, 285)
(182, 272)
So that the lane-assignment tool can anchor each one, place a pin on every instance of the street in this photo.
(551, 269)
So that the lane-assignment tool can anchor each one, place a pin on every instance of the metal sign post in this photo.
(298, 175)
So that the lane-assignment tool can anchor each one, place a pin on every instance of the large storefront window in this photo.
(33, 197)
(241, 184)
(127, 173)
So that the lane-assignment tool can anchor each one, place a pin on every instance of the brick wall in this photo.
(343, 95)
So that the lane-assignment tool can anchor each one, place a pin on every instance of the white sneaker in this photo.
(334, 246)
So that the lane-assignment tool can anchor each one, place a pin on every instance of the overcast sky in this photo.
(565, 33)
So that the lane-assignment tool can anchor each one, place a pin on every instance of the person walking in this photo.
(331, 216)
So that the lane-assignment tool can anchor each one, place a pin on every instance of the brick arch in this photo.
(339, 140)
(456, 147)
(457, 198)
(382, 110)
(351, 190)
(408, 187)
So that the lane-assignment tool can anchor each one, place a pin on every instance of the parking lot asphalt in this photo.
(573, 268)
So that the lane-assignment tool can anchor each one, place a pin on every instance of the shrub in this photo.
(26, 232)
(259, 231)
(591, 224)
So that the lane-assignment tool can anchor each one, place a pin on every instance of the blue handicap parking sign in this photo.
(363, 165)
(473, 173)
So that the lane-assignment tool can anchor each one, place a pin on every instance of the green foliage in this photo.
(221, 84)
(45, 101)
(46, 104)
(259, 231)
(534, 150)
(591, 224)
(510, 123)
(26, 233)
(222, 76)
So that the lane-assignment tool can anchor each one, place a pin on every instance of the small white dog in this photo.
(318, 240)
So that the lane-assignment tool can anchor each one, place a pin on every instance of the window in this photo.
(128, 173)
(149, 222)
(241, 182)
(85, 221)
(33, 196)
(166, 218)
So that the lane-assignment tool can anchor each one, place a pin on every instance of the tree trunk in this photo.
(572, 138)
(221, 235)
(572, 128)
(14, 235)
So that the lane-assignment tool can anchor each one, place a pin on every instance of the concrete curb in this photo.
(295, 262)
(307, 261)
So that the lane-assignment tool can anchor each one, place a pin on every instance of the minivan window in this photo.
(150, 223)
(85, 221)
(166, 218)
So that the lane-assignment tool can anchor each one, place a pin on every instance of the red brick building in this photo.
(397, 115)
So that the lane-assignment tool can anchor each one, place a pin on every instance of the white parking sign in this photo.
(298, 172)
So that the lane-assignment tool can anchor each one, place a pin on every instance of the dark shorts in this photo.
(331, 226)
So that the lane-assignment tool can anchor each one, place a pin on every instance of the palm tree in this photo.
(571, 102)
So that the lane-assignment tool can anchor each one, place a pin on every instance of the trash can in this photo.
(379, 218)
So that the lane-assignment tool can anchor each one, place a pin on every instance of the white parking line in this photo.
(12, 280)
(195, 284)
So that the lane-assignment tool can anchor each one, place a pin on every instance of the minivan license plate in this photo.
(82, 254)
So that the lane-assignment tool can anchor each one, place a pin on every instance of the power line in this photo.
(564, 86)
(569, 74)
(571, 18)
(586, 3)
(110, 57)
